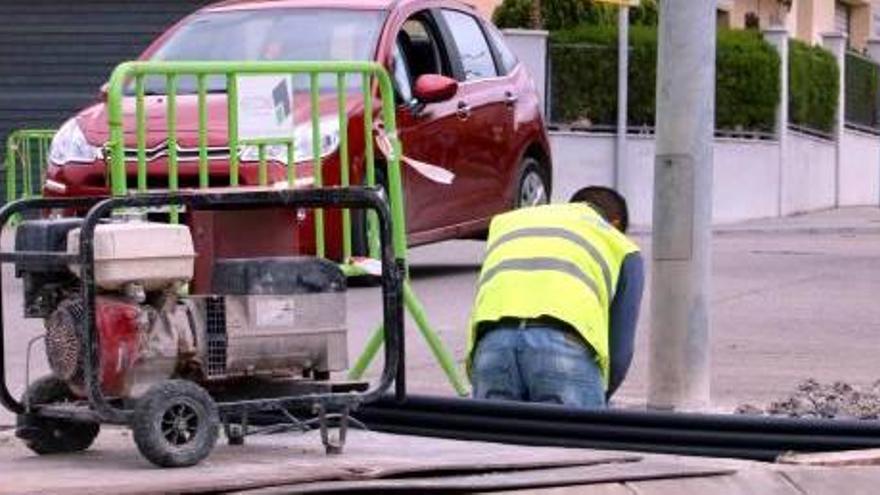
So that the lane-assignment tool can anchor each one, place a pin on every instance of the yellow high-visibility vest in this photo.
(559, 261)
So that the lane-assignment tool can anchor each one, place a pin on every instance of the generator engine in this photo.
(270, 318)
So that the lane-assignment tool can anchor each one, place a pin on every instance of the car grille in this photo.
(183, 154)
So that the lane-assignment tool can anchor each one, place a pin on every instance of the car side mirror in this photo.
(434, 88)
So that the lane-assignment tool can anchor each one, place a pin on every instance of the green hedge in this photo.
(861, 83)
(566, 14)
(814, 83)
(584, 82)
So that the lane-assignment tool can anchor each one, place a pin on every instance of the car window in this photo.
(270, 34)
(508, 59)
(402, 78)
(420, 47)
(476, 57)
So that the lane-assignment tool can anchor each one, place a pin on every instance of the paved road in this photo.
(792, 299)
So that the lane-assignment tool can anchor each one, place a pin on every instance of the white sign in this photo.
(275, 312)
(265, 107)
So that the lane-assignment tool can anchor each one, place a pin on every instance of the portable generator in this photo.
(126, 343)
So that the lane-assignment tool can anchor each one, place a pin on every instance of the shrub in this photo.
(747, 82)
(514, 14)
(861, 83)
(814, 82)
(584, 82)
(566, 14)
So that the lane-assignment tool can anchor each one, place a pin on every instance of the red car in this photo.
(465, 105)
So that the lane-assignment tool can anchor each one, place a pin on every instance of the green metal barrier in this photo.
(27, 153)
(373, 76)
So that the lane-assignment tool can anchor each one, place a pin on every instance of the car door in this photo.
(484, 110)
(429, 132)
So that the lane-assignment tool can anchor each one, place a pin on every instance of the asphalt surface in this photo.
(792, 299)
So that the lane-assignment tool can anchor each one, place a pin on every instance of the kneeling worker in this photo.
(557, 303)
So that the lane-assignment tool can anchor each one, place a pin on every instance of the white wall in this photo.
(859, 169)
(637, 179)
(809, 174)
(580, 159)
(746, 174)
(746, 180)
(530, 47)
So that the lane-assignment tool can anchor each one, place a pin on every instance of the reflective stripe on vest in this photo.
(554, 232)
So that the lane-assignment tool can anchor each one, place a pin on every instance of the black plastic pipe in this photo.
(616, 433)
(730, 422)
(749, 437)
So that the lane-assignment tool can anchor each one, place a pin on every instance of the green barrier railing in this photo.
(27, 153)
(372, 77)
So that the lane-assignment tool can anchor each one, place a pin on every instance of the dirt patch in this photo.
(812, 399)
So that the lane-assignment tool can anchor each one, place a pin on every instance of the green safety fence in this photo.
(27, 153)
(131, 79)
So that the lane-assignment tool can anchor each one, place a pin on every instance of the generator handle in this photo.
(334, 197)
(7, 213)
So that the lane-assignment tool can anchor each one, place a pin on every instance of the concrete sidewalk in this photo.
(378, 463)
(852, 220)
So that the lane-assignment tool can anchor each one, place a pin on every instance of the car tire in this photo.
(46, 436)
(176, 424)
(533, 186)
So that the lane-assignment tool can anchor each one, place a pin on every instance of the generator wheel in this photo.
(47, 436)
(176, 424)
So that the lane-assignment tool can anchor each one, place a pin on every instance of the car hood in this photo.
(93, 120)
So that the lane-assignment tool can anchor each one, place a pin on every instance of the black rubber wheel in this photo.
(533, 186)
(176, 424)
(47, 436)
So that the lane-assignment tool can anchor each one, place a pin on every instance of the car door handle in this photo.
(510, 99)
(464, 110)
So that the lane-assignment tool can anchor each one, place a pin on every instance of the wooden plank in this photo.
(528, 479)
(865, 457)
(268, 461)
(603, 489)
(750, 481)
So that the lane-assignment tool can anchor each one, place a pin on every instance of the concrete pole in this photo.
(679, 356)
(874, 53)
(778, 37)
(835, 43)
(622, 93)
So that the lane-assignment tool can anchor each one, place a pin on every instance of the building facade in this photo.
(808, 20)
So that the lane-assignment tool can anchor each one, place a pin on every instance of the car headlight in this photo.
(302, 144)
(70, 146)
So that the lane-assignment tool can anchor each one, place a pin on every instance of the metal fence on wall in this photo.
(582, 93)
(862, 93)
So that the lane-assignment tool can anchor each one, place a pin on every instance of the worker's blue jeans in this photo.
(536, 364)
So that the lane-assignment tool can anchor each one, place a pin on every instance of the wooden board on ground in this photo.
(527, 479)
(114, 466)
(866, 457)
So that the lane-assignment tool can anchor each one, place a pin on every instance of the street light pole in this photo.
(679, 355)
(622, 93)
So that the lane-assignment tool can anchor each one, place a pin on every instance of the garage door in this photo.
(55, 54)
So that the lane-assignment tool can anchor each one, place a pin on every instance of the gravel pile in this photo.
(812, 399)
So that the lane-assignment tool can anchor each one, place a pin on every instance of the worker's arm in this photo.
(624, 317)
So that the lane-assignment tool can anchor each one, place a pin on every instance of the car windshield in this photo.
(270, 35)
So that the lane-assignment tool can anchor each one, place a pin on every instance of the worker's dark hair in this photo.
(607, 202)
